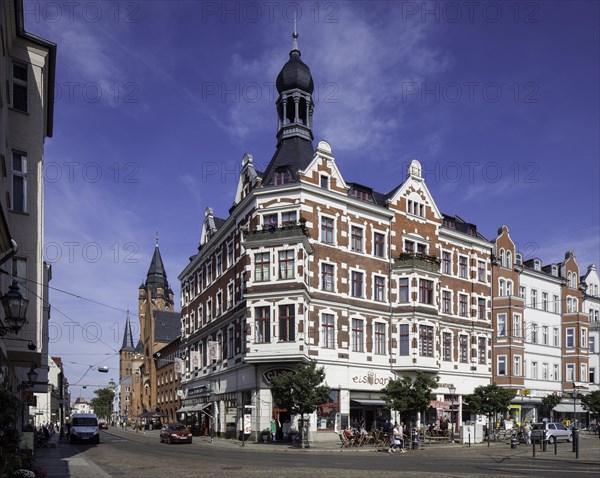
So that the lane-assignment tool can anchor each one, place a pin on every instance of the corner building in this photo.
(309, 265)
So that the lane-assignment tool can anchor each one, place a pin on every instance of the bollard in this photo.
(576, 437)
(415, 439)
(469, 439)
(533, 443)
(555, 447)
(513, 443)
(544, 441)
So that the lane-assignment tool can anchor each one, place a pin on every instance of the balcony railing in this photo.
(274, 234)
(417, 260)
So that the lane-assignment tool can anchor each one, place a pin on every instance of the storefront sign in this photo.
(269, 375)
(371, 378)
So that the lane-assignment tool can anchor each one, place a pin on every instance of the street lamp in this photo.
(575, 431)
(15, 310)
(452, 389)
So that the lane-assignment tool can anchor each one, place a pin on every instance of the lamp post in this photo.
(15, 310)
(452, 389)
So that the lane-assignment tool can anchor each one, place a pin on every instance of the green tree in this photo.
(410, 396)
(548, 403)
(102, 404)
(301, 392)
(591, 403)
(489, 400)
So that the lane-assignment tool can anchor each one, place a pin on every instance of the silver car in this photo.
(555, 431)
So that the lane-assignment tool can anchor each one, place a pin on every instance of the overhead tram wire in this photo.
(72, 294)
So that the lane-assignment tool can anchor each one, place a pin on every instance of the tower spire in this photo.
(156, 237)
(295, 37)
(127, 336)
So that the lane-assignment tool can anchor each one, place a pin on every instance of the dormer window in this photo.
(554, 270)
(324, 182)
(537, 265)
(282, 177)
(362, 195)
(518, 259)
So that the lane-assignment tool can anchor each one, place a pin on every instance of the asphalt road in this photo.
(131, 455)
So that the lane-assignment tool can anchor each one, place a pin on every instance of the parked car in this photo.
(555, 431)
(175, 433)
(84, 428)
(103, 425)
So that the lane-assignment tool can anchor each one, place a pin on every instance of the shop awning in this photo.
(183, 410)
(199, 407)
(371, 403)
(566, 408)
(441, 404)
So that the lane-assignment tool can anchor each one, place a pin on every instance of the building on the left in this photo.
(26, 120)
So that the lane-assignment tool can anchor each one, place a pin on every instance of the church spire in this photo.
(127, 336)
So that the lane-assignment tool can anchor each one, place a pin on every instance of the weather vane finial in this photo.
(156, 237)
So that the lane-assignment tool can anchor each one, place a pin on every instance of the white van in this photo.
(84, 427)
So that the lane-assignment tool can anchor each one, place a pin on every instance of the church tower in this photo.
(155, 304)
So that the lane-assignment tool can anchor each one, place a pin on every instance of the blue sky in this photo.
(157, 102)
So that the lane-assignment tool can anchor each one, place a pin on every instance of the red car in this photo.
(175, 433)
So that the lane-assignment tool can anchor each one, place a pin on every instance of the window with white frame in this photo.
(556, 375)
(534, 370)
(509, 261)
(378, 244)
(287, 323)
(262, 320)
(19, 87)
(570, 372)
(327, 230)
(481, 315)
(357, 284)
(219, 304)
(288, 217)
(501, 365)
(584, 339)
(415, 207)
(463, 266)
(404, 342)
(502, 258)
(592, 344)
(509, 288)
(517, 370)
(501, 325)
(379, 338)
(19, 182)
(481, 271)
(447, 346)
(463, 308)
(219, 260)
(502, 287)
(327, 331)
(481, 350)
(537, 265)
(230, 258)
(463, 349)
(324, 182)
(544, 371)
(534, 333)
(209, 311)
(446, 262)
(447, 302)
(230, 295)
(327, 277)
(583, 372)
(357, 338)
(379, 288)
(533, 299)
(555, 337)
(262, 266)
(426, 341)
(230, 343)
(570, 337)
(544, 335)
(403, 289)
(209, 273)
(19, 274)
(287, 264)
(555, 304)
(356, 238)
(425, 291)
(517, 325)
(522, 292)
(270, 220)
(545, 301)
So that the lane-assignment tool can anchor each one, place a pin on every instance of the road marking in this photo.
(80, 466)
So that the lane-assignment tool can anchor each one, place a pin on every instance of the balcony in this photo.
(417, 261)
(268, 236)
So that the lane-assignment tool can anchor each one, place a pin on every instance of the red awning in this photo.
(439, 404)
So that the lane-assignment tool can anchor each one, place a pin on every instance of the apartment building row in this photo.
(374, 286)
(27, 76)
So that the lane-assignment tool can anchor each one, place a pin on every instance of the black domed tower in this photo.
(294, 120)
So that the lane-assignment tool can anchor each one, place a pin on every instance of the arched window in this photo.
(502, 258)
(502, 287)
(509, 262)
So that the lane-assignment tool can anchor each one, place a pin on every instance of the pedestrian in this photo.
(395, 440)
(273, 429)
(527, 433)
